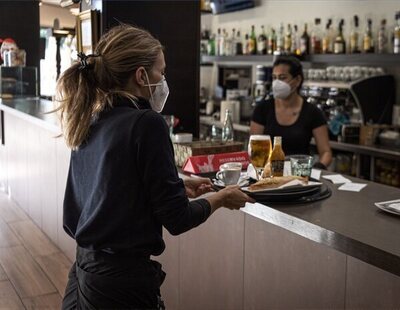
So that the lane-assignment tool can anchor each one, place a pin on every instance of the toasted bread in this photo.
(275, 182)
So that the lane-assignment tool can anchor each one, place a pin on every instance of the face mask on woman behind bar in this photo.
(281, 89)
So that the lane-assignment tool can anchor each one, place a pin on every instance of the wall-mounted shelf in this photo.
(357, 59)
(327, 84)
(341, 59)
(239, 58)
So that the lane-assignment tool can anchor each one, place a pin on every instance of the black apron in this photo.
(100, 280)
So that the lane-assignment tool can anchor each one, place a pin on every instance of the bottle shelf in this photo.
(327, 84)
(332, 59)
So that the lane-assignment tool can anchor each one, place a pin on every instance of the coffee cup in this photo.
(229, 173)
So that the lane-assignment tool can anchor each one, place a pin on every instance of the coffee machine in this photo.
(368, 100)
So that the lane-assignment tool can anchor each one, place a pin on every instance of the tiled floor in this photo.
(33, 271)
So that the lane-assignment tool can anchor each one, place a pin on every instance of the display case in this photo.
(18, 82)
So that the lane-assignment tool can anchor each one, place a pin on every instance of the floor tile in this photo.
(8, 297)
(24, 273)
(36, 242)
(51, 301)
(56, 266)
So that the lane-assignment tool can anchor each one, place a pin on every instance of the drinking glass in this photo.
(170, 120)
(259, 150)
(301, 165)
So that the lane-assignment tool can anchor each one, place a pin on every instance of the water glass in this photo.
(301, 165)
(170, 120)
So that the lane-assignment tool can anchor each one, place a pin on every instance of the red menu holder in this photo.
(211, 163)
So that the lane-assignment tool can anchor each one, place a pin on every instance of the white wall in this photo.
(273, 12)
(49, 12)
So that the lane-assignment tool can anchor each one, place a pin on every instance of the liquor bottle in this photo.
(396, 35)
(288, 39)
(227, 129)
(272, 42)
(305, 42)
(233, 42)
(368, 42)
(211, 46)
(239, 44)
(280, 41)
(222, 43)
(277, 158)
(316, 38)
(382, 38)
(205, 37)
(246, 45)
(340, 43)
(253, 42)
(354, 36)
(295, 46)
(227, 45)
(327, 40)
(218, 42)
(262, 42)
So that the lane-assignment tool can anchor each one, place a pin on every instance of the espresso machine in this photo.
(349, 104)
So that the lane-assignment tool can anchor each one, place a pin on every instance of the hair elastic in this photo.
(83, 58)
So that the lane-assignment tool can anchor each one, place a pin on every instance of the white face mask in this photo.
(281, 89)
(160, 95)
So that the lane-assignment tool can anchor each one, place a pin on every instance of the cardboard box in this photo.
(185, 150)
(211, 163)
(369, 133)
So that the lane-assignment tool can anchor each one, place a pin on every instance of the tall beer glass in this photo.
(259, 150)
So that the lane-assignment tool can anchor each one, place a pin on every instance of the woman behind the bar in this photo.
(289, 115)
(123, 186)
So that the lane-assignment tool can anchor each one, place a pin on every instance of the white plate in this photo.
(392, 206)
(289, 187)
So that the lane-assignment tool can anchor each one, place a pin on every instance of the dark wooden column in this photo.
(177, 25)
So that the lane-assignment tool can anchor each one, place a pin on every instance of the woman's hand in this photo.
(196, 187)
(230, 197)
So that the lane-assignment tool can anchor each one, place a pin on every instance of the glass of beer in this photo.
(259, 150)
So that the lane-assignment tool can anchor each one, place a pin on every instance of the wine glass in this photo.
(259, 150)
(170, 120)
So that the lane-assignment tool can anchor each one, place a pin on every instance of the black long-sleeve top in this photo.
(123, 185)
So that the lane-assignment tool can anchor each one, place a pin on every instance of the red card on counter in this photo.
(211, 163)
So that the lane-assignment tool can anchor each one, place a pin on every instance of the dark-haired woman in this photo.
(289, 115)
(123, 186)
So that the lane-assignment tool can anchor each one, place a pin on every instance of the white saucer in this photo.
(242, 182)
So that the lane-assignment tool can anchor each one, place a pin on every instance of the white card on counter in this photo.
(315, 174)
(352, 187)
(336, 178)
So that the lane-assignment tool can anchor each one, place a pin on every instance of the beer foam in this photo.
(260, 137)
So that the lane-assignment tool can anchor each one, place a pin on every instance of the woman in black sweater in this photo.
(123, 186)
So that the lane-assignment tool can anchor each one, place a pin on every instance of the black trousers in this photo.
(99, 280)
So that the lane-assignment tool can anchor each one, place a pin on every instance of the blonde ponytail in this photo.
(83, 91)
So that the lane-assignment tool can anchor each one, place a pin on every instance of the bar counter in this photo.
(347, 221)
(341, 252)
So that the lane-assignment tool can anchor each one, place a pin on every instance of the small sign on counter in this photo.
(211, 163)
